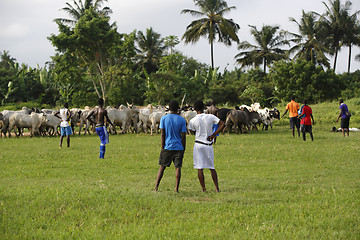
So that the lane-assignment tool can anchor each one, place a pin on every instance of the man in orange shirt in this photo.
(293, 108)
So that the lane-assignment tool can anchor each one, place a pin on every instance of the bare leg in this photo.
(304, 137)
(178, 177)
(293, 132)
(61, 140)
(68, 140)
(159, 177)
(201, 179)
(347, 131)
(312, 137)
(215, 179)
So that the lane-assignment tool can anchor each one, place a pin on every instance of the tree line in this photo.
(94, 60)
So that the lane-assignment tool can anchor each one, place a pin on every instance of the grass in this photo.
(273, 187)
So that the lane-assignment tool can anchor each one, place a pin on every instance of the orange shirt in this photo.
(293, 108)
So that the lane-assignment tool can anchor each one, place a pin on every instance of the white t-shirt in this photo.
(202, 125)
(64, 117)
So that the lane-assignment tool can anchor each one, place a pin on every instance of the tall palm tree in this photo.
(77, 10)
(334, 20)
(352, 34)
(267, 48)
(150, 47)
(309, 44)
(212, 24)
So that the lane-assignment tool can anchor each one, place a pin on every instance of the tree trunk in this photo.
(349, 62)
(212, 54)
(264, 65)
(336, 54)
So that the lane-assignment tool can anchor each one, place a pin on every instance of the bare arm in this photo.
(108, 119)
(284, 113)
(183, 140)
(221, 126)
(339, 115)
(91, 113)
(163, 136)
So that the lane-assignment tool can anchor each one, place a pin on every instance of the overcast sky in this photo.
(26, 24)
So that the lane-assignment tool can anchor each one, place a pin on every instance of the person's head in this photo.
(66, 105)
(199, 105)
(101, 102)
(292, 98)
(341, 101)
(305, 102)
(212, 102)
(174, 106)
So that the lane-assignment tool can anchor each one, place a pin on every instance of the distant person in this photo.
(173, 143)
(306, 117)
(65, 129)
(293, 108)
(100, 115)
(203, 154)
(345, 117)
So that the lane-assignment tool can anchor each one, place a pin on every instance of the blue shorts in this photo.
(65, 131)
(103, 134)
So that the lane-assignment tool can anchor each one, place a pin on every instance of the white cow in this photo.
(52, 123)
(33, 121)
(121, 117)
(144, 114)
(155, 120)
(6, 122)
(188, 115)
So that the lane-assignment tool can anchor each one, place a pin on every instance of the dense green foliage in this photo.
(94, 60)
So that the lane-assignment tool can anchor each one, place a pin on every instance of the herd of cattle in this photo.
(131, 119)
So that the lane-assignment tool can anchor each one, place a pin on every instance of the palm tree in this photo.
(334, 20)
(309, 44)
(150, 49)
(267, 49)
(77, 10)
(352, 34)
(212, 24)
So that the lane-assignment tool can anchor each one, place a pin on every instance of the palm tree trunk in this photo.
(349, 62)
(212, 55)
(336, 54)
(264, 65)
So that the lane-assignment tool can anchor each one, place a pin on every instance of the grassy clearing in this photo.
(273, 187)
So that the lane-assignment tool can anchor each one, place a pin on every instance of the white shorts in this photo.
(203, 156)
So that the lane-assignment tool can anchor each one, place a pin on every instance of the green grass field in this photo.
(273, 187)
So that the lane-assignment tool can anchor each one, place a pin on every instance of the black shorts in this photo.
(306, 128)
(294, 122)
(169, 156)
(345, 122)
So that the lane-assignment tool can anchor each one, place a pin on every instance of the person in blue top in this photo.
(173, 143)
(345, 117)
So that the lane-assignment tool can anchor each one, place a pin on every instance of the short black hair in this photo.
(292, 98)
(341, 100)
(174, 106)
(305, 101)
(66, 105)
(101, 102)
(198, 105)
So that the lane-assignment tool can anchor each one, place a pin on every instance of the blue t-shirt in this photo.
(344, 109)
(174, 125)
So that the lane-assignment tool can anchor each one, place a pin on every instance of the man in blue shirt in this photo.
(173, 142)
(345, 117)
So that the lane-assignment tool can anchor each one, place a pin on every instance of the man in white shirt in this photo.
(203, 154)
(65, 128)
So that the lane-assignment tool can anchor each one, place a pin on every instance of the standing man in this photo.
(100, 115)
(173, 143)
(203, 154)
(306, 121)
(293, 108)
(345, 117)
(65, 128)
